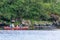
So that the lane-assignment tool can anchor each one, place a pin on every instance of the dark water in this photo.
(51, 27)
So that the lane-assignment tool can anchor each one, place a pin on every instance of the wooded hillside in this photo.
(28, 9)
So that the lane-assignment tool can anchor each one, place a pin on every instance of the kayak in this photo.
(16, 28)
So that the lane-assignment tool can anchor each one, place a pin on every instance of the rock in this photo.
(26, 22)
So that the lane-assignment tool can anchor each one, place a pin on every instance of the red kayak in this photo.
(16, 28)
(7, 28)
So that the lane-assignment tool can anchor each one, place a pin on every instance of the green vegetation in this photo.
(28, 9)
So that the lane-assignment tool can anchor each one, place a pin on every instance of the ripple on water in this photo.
(29, 35)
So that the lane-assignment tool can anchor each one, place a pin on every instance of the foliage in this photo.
(29, 9)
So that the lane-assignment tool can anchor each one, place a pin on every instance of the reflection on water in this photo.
(30, 35)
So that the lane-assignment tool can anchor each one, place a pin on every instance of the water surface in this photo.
(30, 35)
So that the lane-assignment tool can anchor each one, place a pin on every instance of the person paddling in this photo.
(12, 24)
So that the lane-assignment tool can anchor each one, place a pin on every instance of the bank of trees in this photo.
(29, 9)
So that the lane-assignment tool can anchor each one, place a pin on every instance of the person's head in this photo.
(12, 21)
